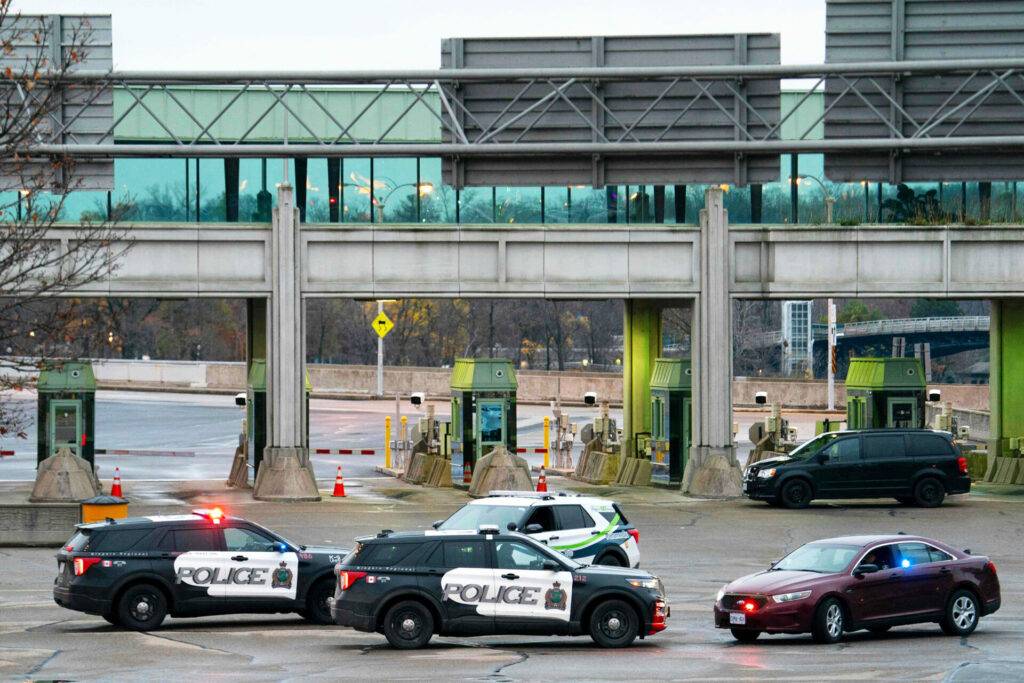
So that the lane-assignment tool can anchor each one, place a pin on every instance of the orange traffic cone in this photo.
(542, 482)
(339, 485)
(115, 488)
(467, 474)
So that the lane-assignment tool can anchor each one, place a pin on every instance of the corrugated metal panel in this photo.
(577, 117)
(872, 374)
(884, 30)
(85, 113)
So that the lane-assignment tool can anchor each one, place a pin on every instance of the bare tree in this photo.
(42, 260)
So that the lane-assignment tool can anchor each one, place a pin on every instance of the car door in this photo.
(577, 533)
(840, 472)
(885, 465)
(533, 591)
(191, 559)
(258, 576)
(876, 596)
(926, 578)
(544, 517)
(461, 576)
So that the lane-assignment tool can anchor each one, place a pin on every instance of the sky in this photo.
(195, 35)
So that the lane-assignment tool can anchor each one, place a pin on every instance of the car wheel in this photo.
(142, 608)
(879, 630)
(828, 622)
(744, 635)
(408, 625)
(929, 492)
(961, 617)
(318, 603)
(796, 494)
(610, 560)
(614, 624)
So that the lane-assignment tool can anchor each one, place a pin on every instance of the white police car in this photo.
(589, 530)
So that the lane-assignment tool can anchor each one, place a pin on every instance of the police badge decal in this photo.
(282, 577)
(555, 597)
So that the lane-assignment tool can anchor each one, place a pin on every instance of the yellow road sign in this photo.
(382, 325)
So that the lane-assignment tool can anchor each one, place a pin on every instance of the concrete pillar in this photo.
(286, 473)
(712, 469)
(641, 345)
(1006, 373)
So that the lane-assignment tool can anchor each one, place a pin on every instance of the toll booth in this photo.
(256, 412)
(885, 393)
(671, 399)
(483, 411)
(66, 410)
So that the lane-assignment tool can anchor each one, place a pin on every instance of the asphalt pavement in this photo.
(694, 545)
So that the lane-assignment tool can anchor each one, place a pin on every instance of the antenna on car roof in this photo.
(901, 533)
(385, 533)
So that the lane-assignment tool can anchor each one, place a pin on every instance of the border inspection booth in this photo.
(885, 393)
(671, 399)
(483, 411)
(66, 415)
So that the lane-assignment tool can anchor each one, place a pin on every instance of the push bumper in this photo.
(75, 600)
(771, 618)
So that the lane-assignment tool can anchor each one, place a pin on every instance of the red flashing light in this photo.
(991, 566)
(635, 533)
(215, 515)
(82, 564)
(332, 200)
(961, 463)
(69, 548)
(347, 579)
(83, 438)
(748, 606)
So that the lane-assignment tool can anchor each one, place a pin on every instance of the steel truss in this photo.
(533, 100)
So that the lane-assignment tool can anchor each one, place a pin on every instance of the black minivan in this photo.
(917, 466)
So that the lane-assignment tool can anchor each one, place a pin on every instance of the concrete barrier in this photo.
(37, 524)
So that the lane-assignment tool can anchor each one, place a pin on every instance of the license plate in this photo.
(737, 618)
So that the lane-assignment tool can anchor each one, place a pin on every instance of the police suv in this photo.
(587, 529)
(409, 586)
(134, 572)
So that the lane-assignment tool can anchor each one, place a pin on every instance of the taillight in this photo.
(635, 533)
(82, 564)
(346, 579)
(991, 566)
(961, 463)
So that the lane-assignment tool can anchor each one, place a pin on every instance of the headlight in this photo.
(652, 584)
(790, 597)
(766, 474)
(721, 594)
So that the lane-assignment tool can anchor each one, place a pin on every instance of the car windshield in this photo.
(824, 558)
(470, 517)
(811, 447)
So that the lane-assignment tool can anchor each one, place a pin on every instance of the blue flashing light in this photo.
(905, 563)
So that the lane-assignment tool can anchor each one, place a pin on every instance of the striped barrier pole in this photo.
(344, 451)
(6, 454)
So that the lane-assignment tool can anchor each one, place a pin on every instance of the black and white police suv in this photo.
(589, 530)
(134, 572)
(409, 586)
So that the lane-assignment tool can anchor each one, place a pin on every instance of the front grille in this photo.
(729, 601)
(748, 475)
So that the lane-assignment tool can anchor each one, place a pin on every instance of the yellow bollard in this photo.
(403, 435)
(547, 442)
(387, 442)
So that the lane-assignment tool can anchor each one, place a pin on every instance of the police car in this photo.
(587, 529)
(409, 586)
(134, 572)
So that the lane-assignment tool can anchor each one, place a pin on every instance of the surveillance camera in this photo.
(761, 398)
(590, 398)
(934, 395)
(240, 399)
(417, 398)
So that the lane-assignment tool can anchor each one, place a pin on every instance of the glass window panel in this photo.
(396, 190)
(517, 205)
(476, 205)
(437, 200)
(152, 189)
(556, 205)
(251, 183)
(212, 199)
(588, 205)
(317, 192)
(355, 178)
(640, 200)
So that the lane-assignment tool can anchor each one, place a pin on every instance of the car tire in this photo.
(408, 625)
(796, 494)
(142, 607)
(879, 630)
(610, 560)
(829, 621)
(318, 603)
(929, 492)
(744, 635)
(962, 613)
(614, 624)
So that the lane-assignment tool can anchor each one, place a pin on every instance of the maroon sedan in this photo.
(861, 582)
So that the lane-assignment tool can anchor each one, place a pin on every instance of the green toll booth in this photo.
(66, 410)
(256, 412)
(483, 411)
(885, 393)
(671, 400)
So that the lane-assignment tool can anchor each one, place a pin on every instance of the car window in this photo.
(246, 539)
(542, 515)
(80, 541)
(937, 555)
(572, 517)
(465, 554)
(515, 555)
(920, 553)
(927, 445)
(118, 541)
(608, 512)
(386, 554)
(843, 450)
(883, 447)
(470, 517)
(195, 539)
(882, 556)
(824, 558)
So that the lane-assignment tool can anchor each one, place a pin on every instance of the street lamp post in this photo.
(829, 199)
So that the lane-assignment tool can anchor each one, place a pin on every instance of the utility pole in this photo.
(831, 360)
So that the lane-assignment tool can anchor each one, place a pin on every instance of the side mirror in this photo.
(534, 528)
(551, 566)
(437, 523)
(863, 569)
(512, 526)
